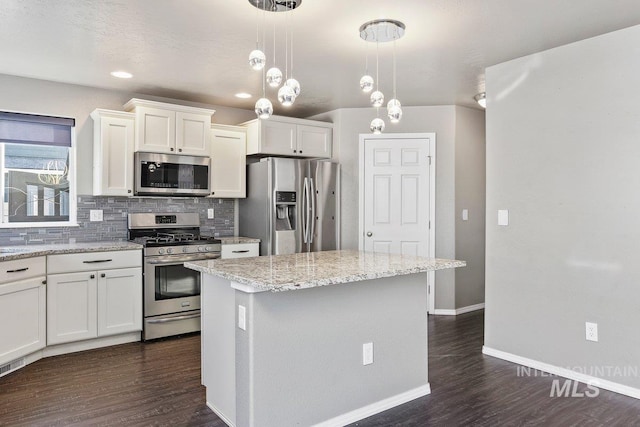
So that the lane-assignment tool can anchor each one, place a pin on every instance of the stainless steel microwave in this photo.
(171, 175)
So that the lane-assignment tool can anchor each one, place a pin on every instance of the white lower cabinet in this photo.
(119, 303)
(72, 307)
(93, 303)
(22, 318)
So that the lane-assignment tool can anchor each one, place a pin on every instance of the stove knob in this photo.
(200, 248)
(208, 248)
(169, 251)
(184, 249)
(160, 251)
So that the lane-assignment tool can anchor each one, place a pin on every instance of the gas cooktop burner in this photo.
(175, 240)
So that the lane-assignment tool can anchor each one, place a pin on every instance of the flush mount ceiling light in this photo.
(381, 31)
(274, 77)
(121, 74)
(481, 99)
(243, 95)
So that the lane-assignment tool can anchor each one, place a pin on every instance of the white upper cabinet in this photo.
(228, 161)
(113, 145)
(285, 136)
(171, 129)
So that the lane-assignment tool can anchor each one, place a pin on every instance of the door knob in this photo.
(369, 234)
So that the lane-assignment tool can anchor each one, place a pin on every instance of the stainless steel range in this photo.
(171, 291)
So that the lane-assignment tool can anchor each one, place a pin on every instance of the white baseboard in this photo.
(461, 310)
(226, 420)
(564, 372)
(377, 407)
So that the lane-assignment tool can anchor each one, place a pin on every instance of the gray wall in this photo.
(58, 99)
(446, 122)
(562, 155)
(470, 194)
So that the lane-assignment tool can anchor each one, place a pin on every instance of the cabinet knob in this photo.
(295, 151)
(129, 191)
(369, 234)
(300, 151)
(103, 275)
(171, 148)
(180, 150)
(44, 282)
(213, 192)
(93, 276)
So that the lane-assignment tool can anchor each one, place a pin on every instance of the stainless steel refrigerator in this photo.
(292, 205)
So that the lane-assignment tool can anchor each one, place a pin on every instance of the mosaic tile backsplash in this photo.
(114, 224)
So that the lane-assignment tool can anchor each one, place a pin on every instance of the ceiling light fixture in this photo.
(381, 31)
(288, 93)
(481, 99)
(121, 74)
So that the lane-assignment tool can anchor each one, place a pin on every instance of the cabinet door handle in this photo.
(19, 270)
(93, 276)
(97, 261)
(240, 252)
(103, 275)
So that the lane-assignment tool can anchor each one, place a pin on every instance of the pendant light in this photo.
(257, 58)
(381, 31)
(366, 82)
(273, 76)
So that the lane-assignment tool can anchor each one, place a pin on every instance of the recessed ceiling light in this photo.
(243, 95)
(121, 74)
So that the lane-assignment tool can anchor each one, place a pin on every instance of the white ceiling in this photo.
(197, 50)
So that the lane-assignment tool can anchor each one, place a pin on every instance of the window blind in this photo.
(19, 128)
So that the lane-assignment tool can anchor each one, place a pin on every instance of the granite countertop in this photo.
(309, 270)
(17, 252)
(237, 240)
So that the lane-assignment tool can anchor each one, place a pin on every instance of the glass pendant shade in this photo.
(274, 77)
(295, 85)
(393, 103)
(377, 99)
(377, 126)
(286, 96)
(264, 108)
(394, 114)
(257, 59)
(366, 83)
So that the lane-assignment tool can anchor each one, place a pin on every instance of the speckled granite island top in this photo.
(237, 240)
(18, 252)
(310, 270)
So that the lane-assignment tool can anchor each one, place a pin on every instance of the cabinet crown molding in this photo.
(136, 102)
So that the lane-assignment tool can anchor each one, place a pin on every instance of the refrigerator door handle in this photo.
(305, 210)
(313, 211)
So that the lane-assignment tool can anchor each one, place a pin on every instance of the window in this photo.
(36, 170)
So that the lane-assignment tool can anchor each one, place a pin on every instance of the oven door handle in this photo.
(179, 260)
(173, 319)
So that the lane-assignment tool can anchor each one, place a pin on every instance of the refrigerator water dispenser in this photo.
(285, 210)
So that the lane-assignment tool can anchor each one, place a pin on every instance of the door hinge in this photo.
(429, 224)
(429, 157)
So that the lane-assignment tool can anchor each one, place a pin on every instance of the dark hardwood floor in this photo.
(158, 384)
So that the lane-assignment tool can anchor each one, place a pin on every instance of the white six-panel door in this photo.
(397, 202)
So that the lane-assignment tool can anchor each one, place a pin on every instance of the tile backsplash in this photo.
(114, 224)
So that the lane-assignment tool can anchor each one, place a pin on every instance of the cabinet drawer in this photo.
(90, 261)
(19, 269)
(242, 250)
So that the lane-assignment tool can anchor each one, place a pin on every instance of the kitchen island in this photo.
(324, 338)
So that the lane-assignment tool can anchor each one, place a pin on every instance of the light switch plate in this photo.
(503, 217)
(95, 215)
(367, 353)
(465, 214)
(242, 317)
(210, 213)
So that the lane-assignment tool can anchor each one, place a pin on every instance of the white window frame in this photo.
(73, 200)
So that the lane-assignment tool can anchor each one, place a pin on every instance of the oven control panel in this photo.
(183, 250)
(166, 219)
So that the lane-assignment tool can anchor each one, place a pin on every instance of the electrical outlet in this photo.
(95, 215)
(591, 331)
(367, 353)
(209, 213)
